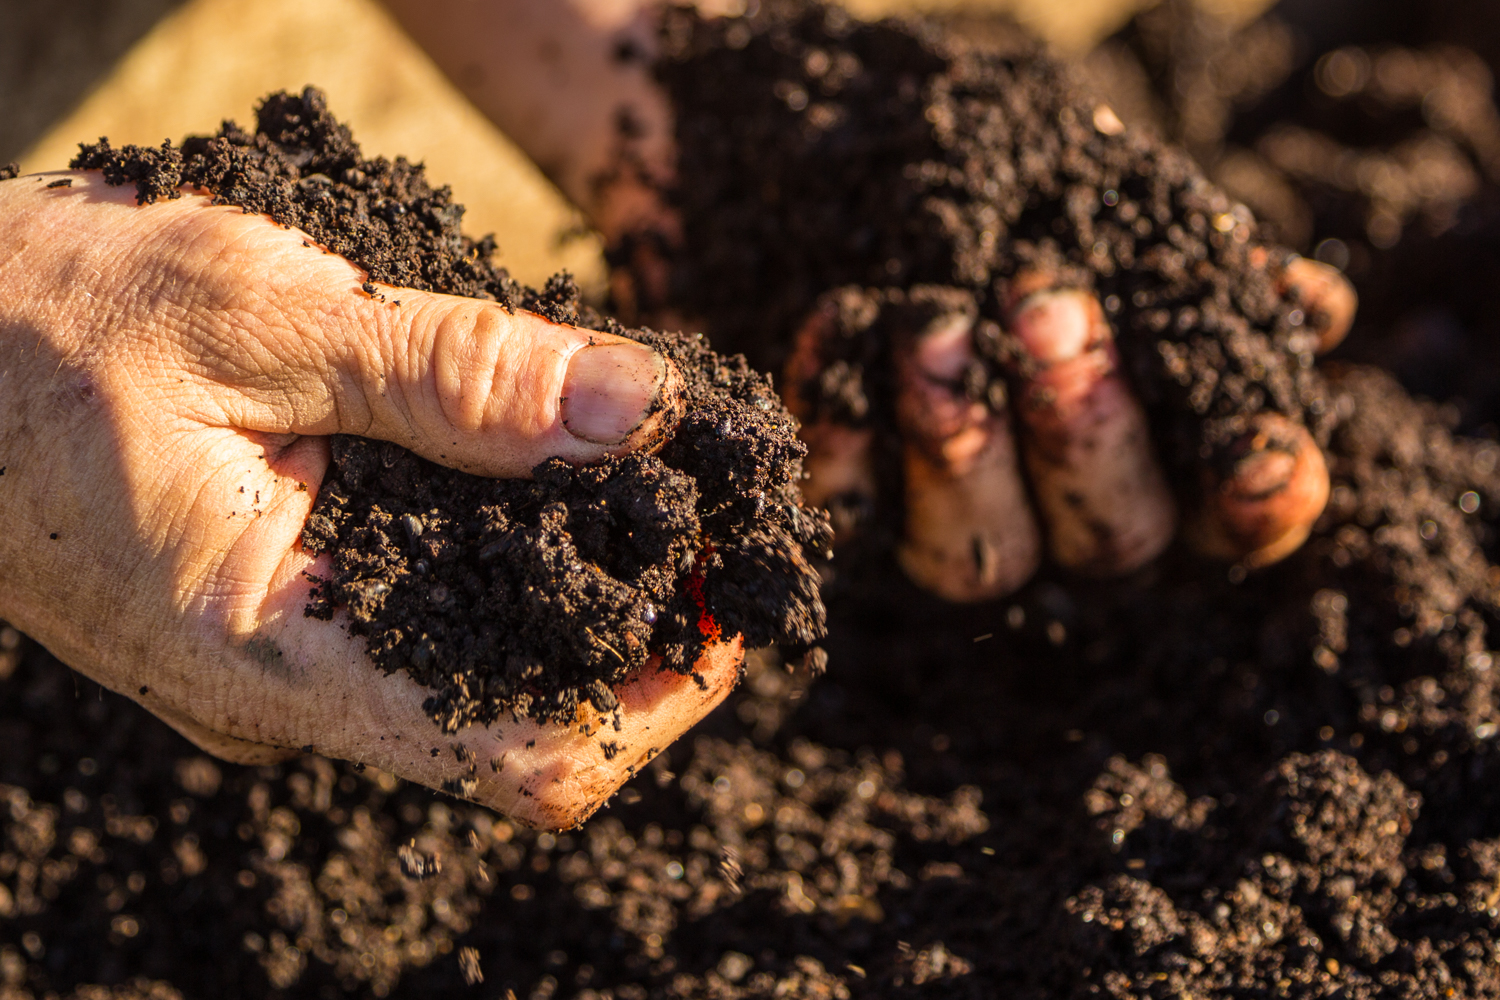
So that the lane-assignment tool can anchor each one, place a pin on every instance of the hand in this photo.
(170, 374)
(1075, 428)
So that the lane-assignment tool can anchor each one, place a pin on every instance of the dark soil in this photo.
(1195, 783)
(1364, 134)
(518, 596)
(818, 152)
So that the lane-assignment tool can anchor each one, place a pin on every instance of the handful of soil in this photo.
(821, 153)
(519, 596)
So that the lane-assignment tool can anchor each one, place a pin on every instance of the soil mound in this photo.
(511, 596)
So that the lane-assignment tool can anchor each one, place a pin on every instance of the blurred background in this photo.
(143, 70)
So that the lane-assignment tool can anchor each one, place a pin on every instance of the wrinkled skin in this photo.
(171, 372)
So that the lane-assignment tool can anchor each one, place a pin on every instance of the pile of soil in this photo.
(1193, 783)
(518, 596)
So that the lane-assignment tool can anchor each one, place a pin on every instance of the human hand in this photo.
(1073, 430)
(171, 372)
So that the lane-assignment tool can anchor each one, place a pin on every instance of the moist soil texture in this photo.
(818, 152)
(1194, 783)
(519, 597)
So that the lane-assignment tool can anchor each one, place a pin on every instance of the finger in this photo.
(306, 348)
(837, 472)
(479, 388)
(565, 779)
(1264, 495)
(1085, 438)
(970, 534)
(1327, 298)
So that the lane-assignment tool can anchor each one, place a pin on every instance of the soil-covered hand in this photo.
(1073, 430)
(171, 373)
(1066, 466)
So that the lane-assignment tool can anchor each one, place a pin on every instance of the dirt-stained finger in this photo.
(838, 473)
(970, 533)
(1326, 297)
(1263, 495)
(555, 777)
(1084, 435)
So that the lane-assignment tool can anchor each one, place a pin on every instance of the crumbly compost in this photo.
(1197, 785)
(1283, 785)
(517, 596)
(818, 152)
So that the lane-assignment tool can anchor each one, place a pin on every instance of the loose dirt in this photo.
(1193, 783)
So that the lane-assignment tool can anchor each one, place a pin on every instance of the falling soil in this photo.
(518, 596)
(1192, 783)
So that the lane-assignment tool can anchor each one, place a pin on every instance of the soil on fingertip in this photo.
(518, 597)
(1191, 783)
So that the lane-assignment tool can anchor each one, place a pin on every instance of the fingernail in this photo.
(1263, 471)
(1056, 325)
(610, 390)
(1327, 297)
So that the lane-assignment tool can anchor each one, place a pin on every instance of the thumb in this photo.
(467, 383)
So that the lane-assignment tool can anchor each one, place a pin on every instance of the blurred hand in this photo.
(1098, 501)
(170, 375)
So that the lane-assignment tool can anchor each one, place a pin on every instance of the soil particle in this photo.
(518, 596)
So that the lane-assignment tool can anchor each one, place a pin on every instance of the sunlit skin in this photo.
(172, 372)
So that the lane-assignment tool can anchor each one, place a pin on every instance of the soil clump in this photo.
(517, 596)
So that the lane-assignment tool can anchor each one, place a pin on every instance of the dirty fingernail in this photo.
(610, 390)
(1261, 475)
(1056, 325)
(1327, 296)
(1268, 503)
